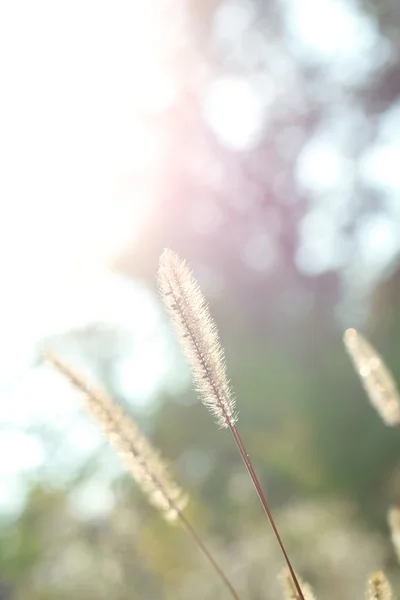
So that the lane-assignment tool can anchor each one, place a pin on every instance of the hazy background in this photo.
(260, 140)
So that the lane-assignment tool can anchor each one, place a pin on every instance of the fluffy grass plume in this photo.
(199, 339)
(198, 332)
(290, 591)
(394, 526)
(378, 587)
(139, 457)
(377, 380)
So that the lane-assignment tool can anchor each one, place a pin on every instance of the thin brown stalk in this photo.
(200, 342)
(247, 461)
(139, 457)
(193, 533)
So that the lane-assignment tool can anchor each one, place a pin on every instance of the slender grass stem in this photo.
(199, 338)
(192, 532)
(247, 461)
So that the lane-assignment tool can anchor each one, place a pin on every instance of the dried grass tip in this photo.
(377, 380)
(378, 587)
(289, 589)
(393, 518)
(137, 454)
(198, 336)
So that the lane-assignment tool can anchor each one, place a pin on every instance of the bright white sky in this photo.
(75, 77)
(77, 172)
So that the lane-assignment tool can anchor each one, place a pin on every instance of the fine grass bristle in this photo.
(198, 334)
(289, 589)
(376, 378)
(139, 457)
(378, 587)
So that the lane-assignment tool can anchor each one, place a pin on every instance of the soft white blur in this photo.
(77, 182)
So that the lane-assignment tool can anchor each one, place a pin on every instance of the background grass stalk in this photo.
(140, 458)
(192, 532)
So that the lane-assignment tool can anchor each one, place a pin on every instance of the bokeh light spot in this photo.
(234, 112)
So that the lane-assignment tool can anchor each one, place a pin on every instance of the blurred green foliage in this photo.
(311, 434)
